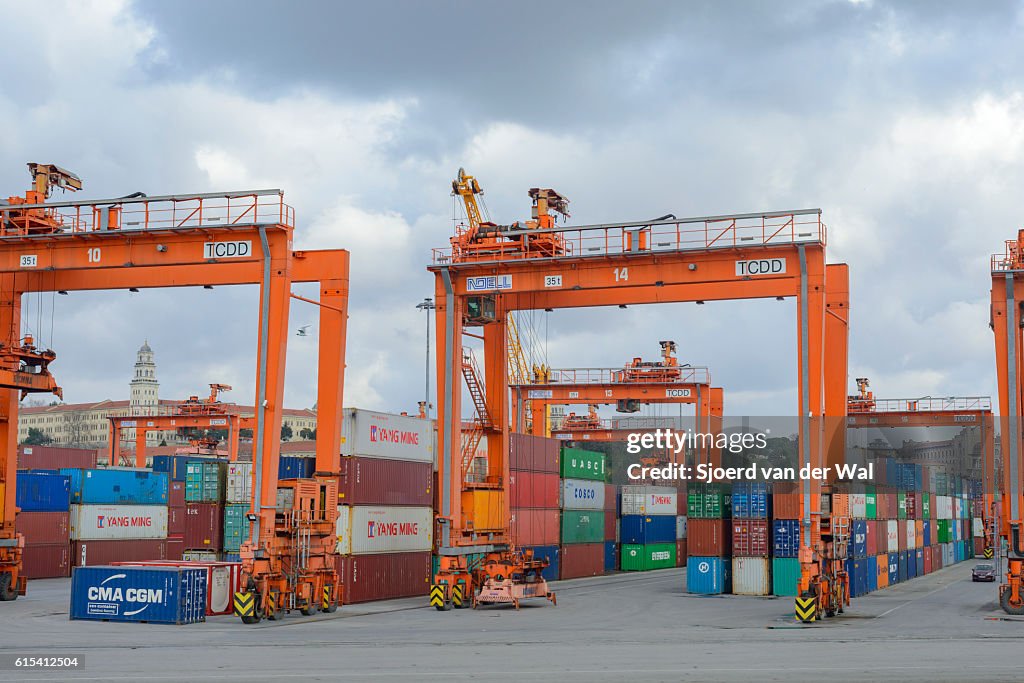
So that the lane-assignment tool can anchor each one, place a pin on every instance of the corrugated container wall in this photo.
(90, 553)
(384, 529)
(118, 522)
(750, 499)
(583, 494)
(639, 558)
(708, 575)
(581, 559)
(46, 561)
(647, 529)
(751, 576)
(383, 481)
(55, 457)
(238, 487)
(43, 528)
(582, 526)
(42, 492)
(117, 486)
(649, 500)
(384, 576)
(204, 526)
(709, 537)
(533, 454)
(535, 527)
(577, 463)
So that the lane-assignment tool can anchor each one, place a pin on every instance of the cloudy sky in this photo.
(903, 121)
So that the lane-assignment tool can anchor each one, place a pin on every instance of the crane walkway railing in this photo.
(653, 374)
(801, 226)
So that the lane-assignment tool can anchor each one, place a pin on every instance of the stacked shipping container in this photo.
(582, 550)
(648, 527)
(44, 500)
(709, 538)
(534, 491)
(751, 538)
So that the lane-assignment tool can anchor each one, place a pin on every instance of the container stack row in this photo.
(385, 514)
(751, 539)
(582, 549)
(709, 538)
(534, 497)
(648, 528)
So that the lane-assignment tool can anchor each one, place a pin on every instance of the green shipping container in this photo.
(708, 501)
(642, 558)
(785, 575)
(901, 505)
(944, 531)
(236, 526)
(926, 506)
(870, 502)
(580, 464)
(204, 482)
(582, 526)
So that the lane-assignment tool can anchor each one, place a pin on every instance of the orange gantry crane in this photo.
(193, 413)
(211, 239)
(1007, 318)
(485, 274)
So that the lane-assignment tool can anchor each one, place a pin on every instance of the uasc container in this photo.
(577, 463)
(163, 595)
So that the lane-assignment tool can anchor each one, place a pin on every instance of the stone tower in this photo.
(145, 388)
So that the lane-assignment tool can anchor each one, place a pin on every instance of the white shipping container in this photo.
(892, 536)
(649, 500)
(945, 508)
(580, 494)
(978, 527)
(680, 527)
(365, 529)
(384, 435)
(751, 576)
(948, 554)
(858, 505)
(957, 509)
(199, 556)
(911, 534)
(118, 522)
(239, 483)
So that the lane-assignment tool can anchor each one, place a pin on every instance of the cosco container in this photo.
(383, 576)
(582, 526)
(533, 454)
(162, 595)
(751, 576)
(584, 494)
(577, 463)
(205, 481)
(708, 501)
(785, 576)
(385, 435)
(649, 500)
(118, 522)
(42, 492)
(384, 529)
(647, 529)
(580, 560)
(708, 575)
(117, 487)
(750, 500)
(641, 558)
(236, 526)
(535, 527)
(750, 539)
(383, 481)
(786, 538)
(238, 486)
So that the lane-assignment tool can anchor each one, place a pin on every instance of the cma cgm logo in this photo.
(382, 529)
(488, 283)
(394, 436)
(116, 594)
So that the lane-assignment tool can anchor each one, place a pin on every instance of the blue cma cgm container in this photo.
(611, 556)
(870, 574)
(116, 486)
(708, 575)
(859, 529)
(894, 568)
(551, 553)
(750, 500)
(647, 529)
(294, 467)
(42, 492)
(159, 595)
(786, 537)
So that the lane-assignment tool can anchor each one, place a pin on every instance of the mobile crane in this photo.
(484, 274)
(211, 239)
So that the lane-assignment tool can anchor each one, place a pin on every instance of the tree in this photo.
(286, 432)
(307, 434)
(77, 429)
(36, 437)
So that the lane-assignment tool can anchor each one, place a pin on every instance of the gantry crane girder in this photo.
(1007, 315)
(710, 258)
(180, 241)
(144, 424)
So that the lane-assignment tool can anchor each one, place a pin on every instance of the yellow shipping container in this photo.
(483, 510)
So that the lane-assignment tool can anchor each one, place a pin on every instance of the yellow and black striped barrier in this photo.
(989, 553)
(245, 604)
(457, 595)
(437, 596)
(326, 602)
(272, 604)
(806, 609)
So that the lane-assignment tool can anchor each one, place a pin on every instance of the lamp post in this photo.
(427, 305)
